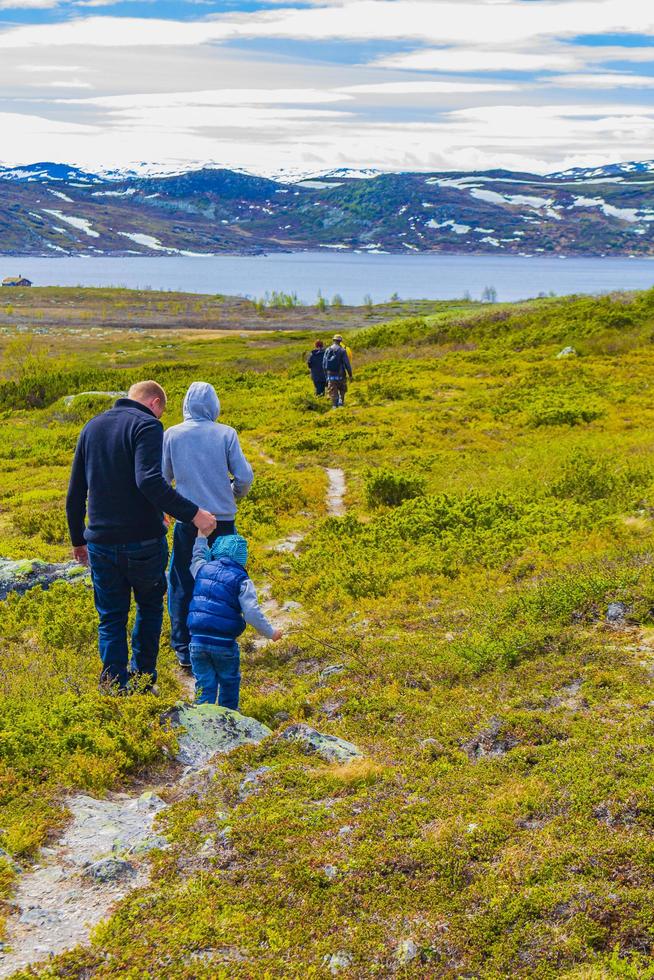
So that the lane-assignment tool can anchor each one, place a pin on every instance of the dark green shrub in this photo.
(385, 487)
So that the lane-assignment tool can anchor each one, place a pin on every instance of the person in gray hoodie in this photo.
(201, 454)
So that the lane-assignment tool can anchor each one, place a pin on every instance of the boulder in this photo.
(567, 352)
(328, 747)
(337, 962)
(251, 782)
(70, 399)
(616, 613)
(209, 729)
(406, 951)
(489, 742)
(110, 869)
(23, 574)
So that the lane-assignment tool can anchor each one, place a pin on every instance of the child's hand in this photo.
(277, 635)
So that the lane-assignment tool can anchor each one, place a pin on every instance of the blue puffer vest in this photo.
(215, 615)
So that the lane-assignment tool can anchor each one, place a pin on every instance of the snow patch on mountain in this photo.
(456, 228)
(82, 223)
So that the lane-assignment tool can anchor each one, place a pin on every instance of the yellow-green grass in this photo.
(499, 498)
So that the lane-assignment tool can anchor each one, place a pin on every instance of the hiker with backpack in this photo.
(337, 368)
(316, 368)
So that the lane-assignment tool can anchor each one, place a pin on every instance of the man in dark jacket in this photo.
(336, 363)
(117, 468)
(316, 368)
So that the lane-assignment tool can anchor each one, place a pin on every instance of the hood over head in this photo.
(201, 402)
(232, 546)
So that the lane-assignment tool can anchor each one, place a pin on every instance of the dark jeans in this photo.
(213, 668)
(118, 570)
(319, 383)
(180, 583)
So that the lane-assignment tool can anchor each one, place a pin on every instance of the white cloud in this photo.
(28, 4)
(480, 60)
(50, 68)
(428, 88)
(440, 22)
(216, 97)
(605, 81)
(61, 83)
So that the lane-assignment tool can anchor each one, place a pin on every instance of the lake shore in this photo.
(349, 276)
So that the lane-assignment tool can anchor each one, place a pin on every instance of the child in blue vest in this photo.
(224, 601)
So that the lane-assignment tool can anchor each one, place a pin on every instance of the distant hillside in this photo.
(49, 208)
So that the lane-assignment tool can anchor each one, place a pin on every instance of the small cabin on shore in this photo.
(16, 281)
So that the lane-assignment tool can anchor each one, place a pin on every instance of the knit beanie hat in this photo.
(232, 546)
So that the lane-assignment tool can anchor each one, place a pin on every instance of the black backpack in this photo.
(333, 359)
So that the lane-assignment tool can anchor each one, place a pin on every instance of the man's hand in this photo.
(81, 554)
(277, 635)
(205, 522)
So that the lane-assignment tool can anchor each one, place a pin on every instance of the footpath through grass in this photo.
(500, 499)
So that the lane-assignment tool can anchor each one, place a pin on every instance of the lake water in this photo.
(351, 275)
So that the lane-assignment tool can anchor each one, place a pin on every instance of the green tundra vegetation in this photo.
(488, 599)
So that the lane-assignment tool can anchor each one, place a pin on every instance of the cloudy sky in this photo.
(265, 85)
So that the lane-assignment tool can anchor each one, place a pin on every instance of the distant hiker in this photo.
(336, 364)
(224, 600)
(199, 456)
(316, 367)
(117, 467)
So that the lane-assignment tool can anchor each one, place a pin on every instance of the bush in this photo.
(587, 477)
(385, 487)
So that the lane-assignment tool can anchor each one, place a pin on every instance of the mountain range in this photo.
(52, 208)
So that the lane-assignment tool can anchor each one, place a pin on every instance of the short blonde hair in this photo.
(145, 391)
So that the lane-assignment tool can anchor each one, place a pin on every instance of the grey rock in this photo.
(210, 729)
(489, 742)
(567, 352)
(110, 869)
(156, 843)
(36, 916)
(330, 871)
(251, 782)
(328, 747)
(23, 574)
(616, 612)
(406, 952)
(70, 399)
(337, 962)
(332, 669)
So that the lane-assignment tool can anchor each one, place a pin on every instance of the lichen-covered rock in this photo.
(25, 573)
(616, 613)
(328, 747)
(337, 962)
(251, 782)
(209, 729)
(103, 828)
(489, 742)
(70, 399)
(406, 951)
(109, 869)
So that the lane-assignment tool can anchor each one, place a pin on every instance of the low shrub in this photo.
(386, 487)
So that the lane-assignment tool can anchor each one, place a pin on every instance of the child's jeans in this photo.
(213, 668)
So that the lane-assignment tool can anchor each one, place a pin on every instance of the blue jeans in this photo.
(118, 570)
(213, 668)
(180, 583)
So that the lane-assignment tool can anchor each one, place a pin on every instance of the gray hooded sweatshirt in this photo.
(199, 454)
